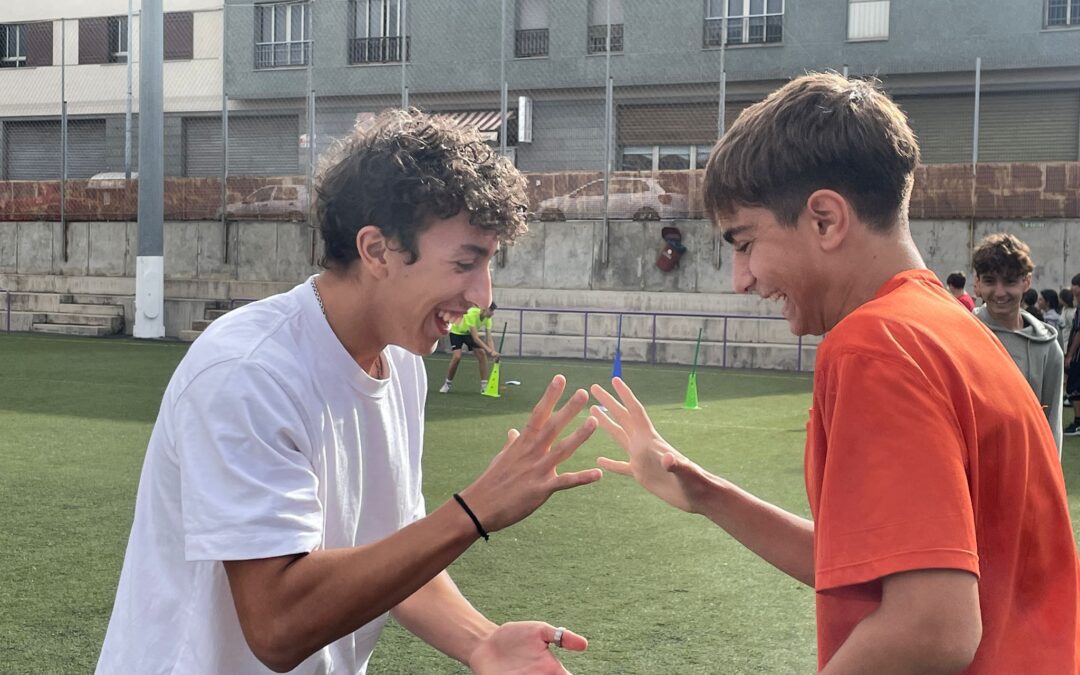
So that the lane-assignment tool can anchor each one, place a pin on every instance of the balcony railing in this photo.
(744, 30)
(598, 38)
(532, 42)
(282, 54)
(377, 50)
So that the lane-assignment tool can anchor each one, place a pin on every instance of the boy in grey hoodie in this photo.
(1003, 269)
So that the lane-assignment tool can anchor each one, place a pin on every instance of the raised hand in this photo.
(652, 461)
(524, 473)
(521, 648)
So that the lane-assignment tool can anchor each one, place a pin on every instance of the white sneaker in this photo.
(483, 386)
(445, 388)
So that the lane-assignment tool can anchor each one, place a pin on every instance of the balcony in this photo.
(532, 42)
(282, 54)
(377, 50)
(598, 38)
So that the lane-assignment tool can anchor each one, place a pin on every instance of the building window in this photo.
(281, 35)
(748, 22)
(118, 39)
(599, 12)
(869, 19)
(13, 48)
(663, 157)
(377, 34)
(1062, 13)
(531, 31)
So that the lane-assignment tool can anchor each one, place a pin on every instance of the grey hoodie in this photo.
(1036, 351)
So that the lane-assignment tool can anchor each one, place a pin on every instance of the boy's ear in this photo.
(830, 215)
(372, 248)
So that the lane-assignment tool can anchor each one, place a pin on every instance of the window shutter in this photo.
(39, 43)
(94, 40)
(179, 36)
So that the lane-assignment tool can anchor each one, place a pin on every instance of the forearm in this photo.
(783, 539)
(315, 599)
(440, 615)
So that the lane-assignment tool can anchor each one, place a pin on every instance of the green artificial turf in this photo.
(655, 590)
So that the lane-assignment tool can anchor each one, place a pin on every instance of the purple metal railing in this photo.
(7, 310)
(652, 342)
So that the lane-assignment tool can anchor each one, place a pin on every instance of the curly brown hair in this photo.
(1003, 255)
(405, 170)
(821, 130)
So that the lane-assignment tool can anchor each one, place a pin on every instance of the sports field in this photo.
(655, 590)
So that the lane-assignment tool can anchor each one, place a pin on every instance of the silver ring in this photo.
(558, 637)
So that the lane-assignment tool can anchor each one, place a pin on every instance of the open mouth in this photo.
(443, 318)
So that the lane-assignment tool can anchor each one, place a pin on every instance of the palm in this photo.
(629, 425)
(520, 648)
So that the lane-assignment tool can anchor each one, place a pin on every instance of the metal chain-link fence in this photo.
(610, 106)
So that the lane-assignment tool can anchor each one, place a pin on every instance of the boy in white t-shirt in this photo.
(280, 516)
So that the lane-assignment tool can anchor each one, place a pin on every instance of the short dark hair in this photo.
(1051, 298)
(1075, 280)
(1031, 296)
(819, 131)
(1066, 297)
(405, 169)
(956, 280)
(1002, 254)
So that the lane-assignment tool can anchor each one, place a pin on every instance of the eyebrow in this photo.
(729, 235)
(473, 249)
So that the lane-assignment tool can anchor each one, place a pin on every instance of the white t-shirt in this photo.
(270, 441)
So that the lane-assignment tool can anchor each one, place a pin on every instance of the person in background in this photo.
(1072, 364)
(1050, 305)
(1003, 268)
(466, 333)
(1030, 303)
(955, 283)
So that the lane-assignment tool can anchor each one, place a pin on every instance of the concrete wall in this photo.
(251, 259)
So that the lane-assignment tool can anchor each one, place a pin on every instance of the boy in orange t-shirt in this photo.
(940, 539)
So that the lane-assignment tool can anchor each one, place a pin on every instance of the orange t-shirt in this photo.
(926, 448)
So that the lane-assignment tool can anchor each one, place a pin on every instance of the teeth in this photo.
(448, 318)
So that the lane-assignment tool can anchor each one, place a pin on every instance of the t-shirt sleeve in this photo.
(895, 495)
(248, 489)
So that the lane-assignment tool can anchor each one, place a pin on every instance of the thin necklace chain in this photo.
(322, 308)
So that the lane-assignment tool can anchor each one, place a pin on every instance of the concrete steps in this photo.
(82, 330)
(65, 314)
(189, 335)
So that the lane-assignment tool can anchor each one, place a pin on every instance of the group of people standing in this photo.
(1039, 329)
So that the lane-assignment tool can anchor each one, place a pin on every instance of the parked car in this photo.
(272, 202)
(628, 198)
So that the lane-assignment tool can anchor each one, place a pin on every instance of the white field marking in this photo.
(125, 341)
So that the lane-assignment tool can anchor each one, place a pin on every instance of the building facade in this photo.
(76, 52)
(344, 58)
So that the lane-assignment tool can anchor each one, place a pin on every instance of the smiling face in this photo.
(451, 274)
(1002, 295)
(781, 264)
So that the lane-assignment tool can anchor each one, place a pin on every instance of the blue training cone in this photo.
(616, 367)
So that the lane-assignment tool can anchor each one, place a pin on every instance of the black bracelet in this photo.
(475, 520)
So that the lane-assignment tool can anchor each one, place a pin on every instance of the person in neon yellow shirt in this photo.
(466, 333)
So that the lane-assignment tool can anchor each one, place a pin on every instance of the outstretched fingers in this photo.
(633, 405)
(614, 407)
(617, 433)
(542, 410)
(561, 418)
(615, 466)
(562, 450)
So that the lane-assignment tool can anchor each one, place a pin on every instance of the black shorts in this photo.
(458, 341)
